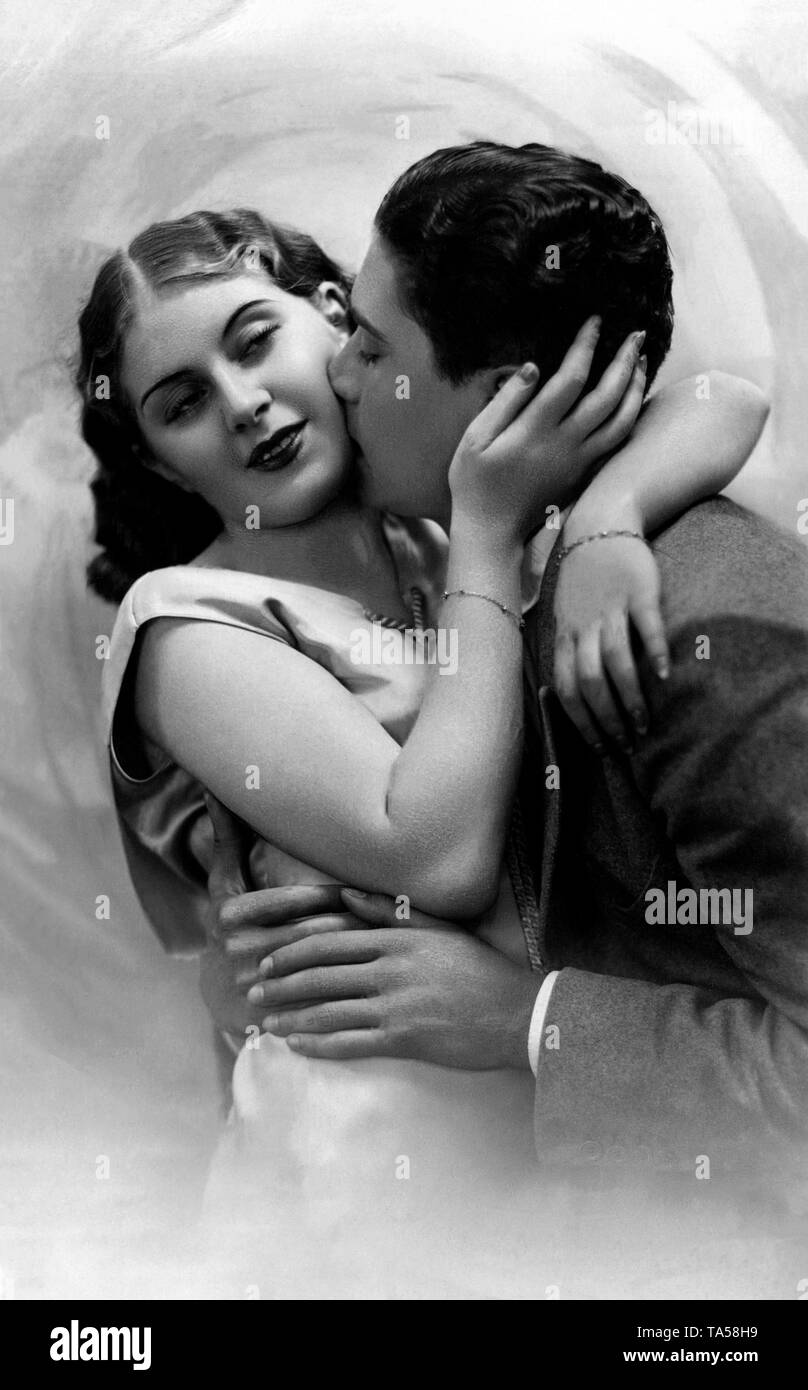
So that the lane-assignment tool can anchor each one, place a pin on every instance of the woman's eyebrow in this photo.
(253, 303)
(175, 376)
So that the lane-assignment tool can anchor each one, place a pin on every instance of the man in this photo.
(666, 1019)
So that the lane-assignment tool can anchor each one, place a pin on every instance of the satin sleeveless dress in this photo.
(374, 1178)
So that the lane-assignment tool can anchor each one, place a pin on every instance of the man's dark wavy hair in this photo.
(503, 252)
(143, 521)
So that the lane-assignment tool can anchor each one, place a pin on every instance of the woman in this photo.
(226, 493)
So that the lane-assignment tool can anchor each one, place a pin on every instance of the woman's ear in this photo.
(332, 302)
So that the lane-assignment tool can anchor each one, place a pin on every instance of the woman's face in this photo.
(228, 380)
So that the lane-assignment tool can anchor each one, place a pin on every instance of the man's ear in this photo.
(497, 376)
(332, 302)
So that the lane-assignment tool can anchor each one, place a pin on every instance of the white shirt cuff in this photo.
(537, 1020)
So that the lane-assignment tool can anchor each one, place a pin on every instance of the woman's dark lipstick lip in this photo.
(285, 441)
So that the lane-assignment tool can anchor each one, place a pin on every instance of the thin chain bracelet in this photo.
(471, 593)
(598, 536)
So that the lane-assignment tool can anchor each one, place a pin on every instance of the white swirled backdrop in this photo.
(109, 1100)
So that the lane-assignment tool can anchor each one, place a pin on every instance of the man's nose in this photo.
(244, 402)
(342, 373)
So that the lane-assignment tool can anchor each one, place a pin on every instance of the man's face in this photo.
(406, 419)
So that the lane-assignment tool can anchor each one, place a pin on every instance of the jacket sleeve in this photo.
(671, 1071)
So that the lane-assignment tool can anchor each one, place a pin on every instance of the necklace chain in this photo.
(416, 604)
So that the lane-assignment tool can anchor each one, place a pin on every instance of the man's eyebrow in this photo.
(366, 324)
(176, 376)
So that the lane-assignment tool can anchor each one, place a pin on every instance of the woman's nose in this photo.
(342, 374)
(243, 401)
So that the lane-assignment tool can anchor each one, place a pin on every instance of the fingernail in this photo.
(597, 323)
(271, 1022)
(642, 363)
(353, 893)
(293, 1042)
(598, 748)
(267, 966)
(256, 994)
(638, 339)
(663, 670)
(529, 372)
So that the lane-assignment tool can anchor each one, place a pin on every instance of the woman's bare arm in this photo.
(690, 441)
(285, 746)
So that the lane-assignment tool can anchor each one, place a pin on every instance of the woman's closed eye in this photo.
(253, 344)
(184, 404)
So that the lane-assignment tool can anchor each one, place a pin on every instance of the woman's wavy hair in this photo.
(143, 521)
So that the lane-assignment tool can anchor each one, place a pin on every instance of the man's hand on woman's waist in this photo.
(338, 974)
